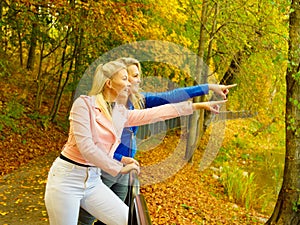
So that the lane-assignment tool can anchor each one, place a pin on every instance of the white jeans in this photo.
(70, 186)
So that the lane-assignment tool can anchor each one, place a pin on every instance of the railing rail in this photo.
(138, 212)
(141, 210)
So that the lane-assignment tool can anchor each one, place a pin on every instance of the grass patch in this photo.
(239, 186)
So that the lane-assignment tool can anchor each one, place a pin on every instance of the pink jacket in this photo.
(93, 138)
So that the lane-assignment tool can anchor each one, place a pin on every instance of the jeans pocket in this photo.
(60, 170)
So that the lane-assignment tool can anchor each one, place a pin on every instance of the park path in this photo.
(22, 193)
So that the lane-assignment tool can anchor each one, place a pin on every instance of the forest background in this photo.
(48, 45)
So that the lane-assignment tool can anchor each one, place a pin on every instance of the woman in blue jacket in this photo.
(137, 100)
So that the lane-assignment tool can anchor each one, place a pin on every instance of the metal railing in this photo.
(138, 211)
(147, 130)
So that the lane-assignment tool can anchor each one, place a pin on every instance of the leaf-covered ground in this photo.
(187, 196)
(190, 196)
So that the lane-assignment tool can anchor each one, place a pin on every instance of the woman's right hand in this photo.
(213, 106)
(127, 168)
(221, 90)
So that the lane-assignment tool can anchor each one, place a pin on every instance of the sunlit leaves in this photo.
(296, 76)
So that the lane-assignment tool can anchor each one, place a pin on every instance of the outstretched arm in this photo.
(221, 90)
(164, 112)
(213, 106)
(153, 99)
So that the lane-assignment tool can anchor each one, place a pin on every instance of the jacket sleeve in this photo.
(118, 156)
(160, 113)
(80, 119)
(177, 95)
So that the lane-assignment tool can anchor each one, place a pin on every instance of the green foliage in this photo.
(239, 185)
(6, 121)
(3, 68)
(223, 156)
(10, 115)
(295, 102)
(240, 143)
(186, 206)
(296, 76)
(261, 154)
(291, 125)
(296, 205)
(43, 120)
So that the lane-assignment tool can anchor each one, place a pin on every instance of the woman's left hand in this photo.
(127, 160)
(127, 168)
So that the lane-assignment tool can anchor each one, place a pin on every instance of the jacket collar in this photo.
(99, 117)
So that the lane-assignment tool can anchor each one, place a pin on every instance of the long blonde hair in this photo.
(102, 73)
(137, 99)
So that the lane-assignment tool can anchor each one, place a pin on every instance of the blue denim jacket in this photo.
(128, 146)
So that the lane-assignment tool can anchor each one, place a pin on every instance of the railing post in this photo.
(133, 190)
(142, 213)
(138, 212)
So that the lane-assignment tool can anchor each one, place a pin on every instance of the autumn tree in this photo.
(196, 120)
(61, 38)
(287, 209)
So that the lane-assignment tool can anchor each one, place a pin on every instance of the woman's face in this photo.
(134, 78)
(120, 85)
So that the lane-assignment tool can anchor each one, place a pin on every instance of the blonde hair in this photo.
(136, 99)
(102, 73)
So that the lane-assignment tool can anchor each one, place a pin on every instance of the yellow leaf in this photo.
(3, 213)
(18, 201)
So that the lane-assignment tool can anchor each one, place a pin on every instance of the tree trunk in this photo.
(78, 59)
(55, 106)
(287, 208)
(195, 126)
(1, 8)
(39, 81)
(212, 33)
(233, 69)
(31, 52)
(20, 48)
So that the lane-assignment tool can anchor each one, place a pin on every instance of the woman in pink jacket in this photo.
(74, 178)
